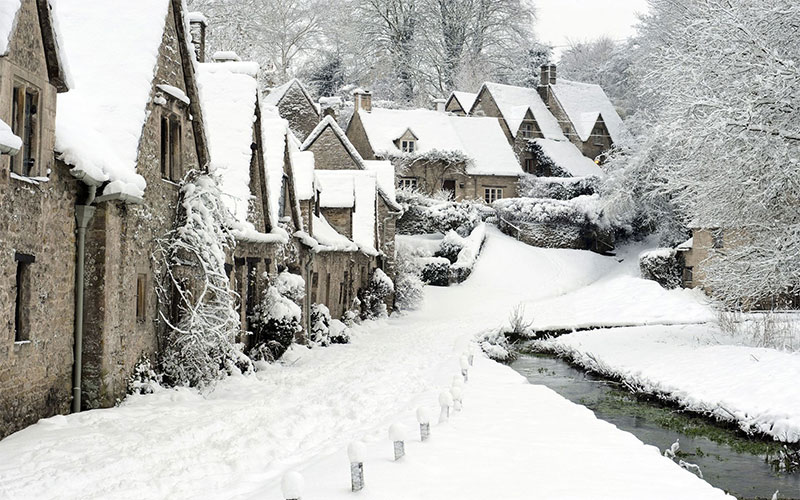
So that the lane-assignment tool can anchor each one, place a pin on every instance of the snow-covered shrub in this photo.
(450, 246)
(198, 305)
(424, 215)
(275, 323)
(408, 285)
(435, 271)
(662, 266)
(380, 287)
(144, 379)
(339, 332)
(558, 188)
(320, 325)
(519, 328)
(468, 255)
(496, 346)
(291, 286)
(352, 315)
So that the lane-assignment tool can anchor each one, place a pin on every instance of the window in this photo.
(408, 146)
(23, 294)
(141, 300)
(598, 133)
(530, 165)
(717, 239)
(688, 275)
(25, 124)
(171, 158)
(250, 293)
(527, 130)
(407, 183)
(327, 288)
(314, 286)
(490, 195)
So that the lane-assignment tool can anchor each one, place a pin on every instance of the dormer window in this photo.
(25, 125)
(408, 146)
(527, 130)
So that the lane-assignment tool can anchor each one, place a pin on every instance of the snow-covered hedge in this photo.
(425, 215)
(662, 266)
(380, 287)
(462, 252)
(557, 188)
(339, 332)
(435, 271)
(320, 326)
(275, 323)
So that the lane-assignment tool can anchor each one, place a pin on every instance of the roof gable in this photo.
(465, 100)
(329, 124)
(513, 103)
(583, 103)
(277, 94)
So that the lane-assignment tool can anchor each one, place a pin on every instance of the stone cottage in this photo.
(356, 199)
(37, 223)
(130, 131)
(468, 157)
(296, 105)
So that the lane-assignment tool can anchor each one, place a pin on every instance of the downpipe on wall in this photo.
(83, 215)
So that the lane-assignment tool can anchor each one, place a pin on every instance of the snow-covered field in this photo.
(512, 440)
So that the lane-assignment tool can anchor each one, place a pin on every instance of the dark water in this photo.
(744, 467)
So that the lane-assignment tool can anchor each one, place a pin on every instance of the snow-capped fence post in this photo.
(445, 401)
(355, 452)
(471, 356)
(292, 486)
(397, 433)
(458, 394)
(424, 419)
(465, 368)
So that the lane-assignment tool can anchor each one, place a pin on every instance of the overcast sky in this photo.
(560, 20)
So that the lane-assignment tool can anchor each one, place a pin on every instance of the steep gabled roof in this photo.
(277, 94)
(513, 103)
(569, 158)
(584, 103)
(55, 60)
(464, 99)
(481, 139)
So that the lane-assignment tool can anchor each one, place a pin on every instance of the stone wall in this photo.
(299, 111)
(358, 138)
(37, 220)
(485, 105)
(338, 277)
(341, 219)
(330, 153)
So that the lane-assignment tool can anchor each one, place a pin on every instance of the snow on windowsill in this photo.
(30, 180)
(21, 342)
(174, 92)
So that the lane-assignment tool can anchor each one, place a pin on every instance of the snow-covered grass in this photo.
(700, 368)
(237, 440)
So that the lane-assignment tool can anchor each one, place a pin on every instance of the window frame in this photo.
(26, 124)
(492, 194)
(22, 289)
(171, 146)
(408, 146)
(141, 297)
(527, 130)
(408, 183)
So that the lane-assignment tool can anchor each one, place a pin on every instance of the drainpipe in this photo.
(307, 267)
(83, 214)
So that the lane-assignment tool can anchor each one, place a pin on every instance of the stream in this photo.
(748, 468)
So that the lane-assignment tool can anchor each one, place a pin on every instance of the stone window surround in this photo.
(25, 87)
(22, 293)
(491, 194)
(526, 129)
(408, 182)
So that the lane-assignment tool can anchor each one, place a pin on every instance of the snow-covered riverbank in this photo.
(238, 440)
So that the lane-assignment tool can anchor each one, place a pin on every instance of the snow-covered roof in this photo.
(276, 94)
(9, 143)
(686, 245)
(225, 55)
(569, 158)
(328, 238)
(513, 102)
(384, 174)
(228, 99)
(465, 99)
(274, 130)
(337, 188)
(303, 168)
(112, 48)
(583, 103)
(481, 139)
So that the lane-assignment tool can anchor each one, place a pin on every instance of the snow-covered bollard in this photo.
(424, 419)
(445, 401)
(355, 452)
(465, 368)
(471, 356)
(458, 380)
(397, 433)
(292, 485)
(458, 395)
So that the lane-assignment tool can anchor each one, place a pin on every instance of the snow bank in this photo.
(99, 122)
(699, 368)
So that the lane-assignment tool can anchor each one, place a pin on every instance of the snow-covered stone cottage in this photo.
(129, 131)
(295, 105)
(37, 223)
(433, 150)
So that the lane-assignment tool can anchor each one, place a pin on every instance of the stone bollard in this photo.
(445, 401)
(355, 452)
(465, 368)
(397, 433)
(458, 397)
(292, 485)
(424, 419)
(471, 357)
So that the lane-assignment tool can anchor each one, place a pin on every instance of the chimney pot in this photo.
(440, 104)
(362, 99)
(552, 74)
(225, 56)
(197, 28)
(544, 75)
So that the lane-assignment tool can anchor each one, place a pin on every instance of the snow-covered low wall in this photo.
(698, 368)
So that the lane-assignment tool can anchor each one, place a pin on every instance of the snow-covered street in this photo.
(237, 441)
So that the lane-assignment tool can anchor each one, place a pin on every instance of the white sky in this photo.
(580, 20)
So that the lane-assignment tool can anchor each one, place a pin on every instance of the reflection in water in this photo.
(746, 468)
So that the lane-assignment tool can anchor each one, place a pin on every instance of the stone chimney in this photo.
(544, 75)
(362, 99)
(330, 106)
(440, 104)
(197, 28)
(225, 56)
(552, 74)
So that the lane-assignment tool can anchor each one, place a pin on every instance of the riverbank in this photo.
(697, 367)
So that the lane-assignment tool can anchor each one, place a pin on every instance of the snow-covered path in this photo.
(238, 440)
